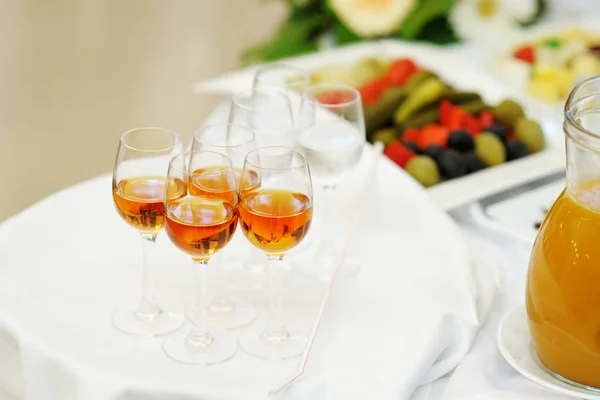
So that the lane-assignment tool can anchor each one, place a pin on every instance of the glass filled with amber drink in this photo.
(138, 188)
(563, 283)
(234, 141)
(201, 223)
(275, 217)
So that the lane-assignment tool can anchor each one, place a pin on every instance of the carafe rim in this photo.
(569, 114)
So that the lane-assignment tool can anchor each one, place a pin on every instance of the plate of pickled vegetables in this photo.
(453, 127)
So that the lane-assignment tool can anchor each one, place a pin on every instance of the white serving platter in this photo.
(462, 75)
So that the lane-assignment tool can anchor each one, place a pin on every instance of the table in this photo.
(65, 264)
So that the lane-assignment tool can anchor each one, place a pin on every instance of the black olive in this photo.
(412, 146)
(473, 162)
(452, 164)
(461, 140)
(433, 151)
(515, 149)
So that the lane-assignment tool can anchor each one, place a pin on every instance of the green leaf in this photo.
(541, 11)
(438, 31)
(342, 35)
(297, 35)
(426, 11)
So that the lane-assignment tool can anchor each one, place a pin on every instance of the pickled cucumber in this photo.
(457, 97)
(381, 113)
(508, 112)
(424, 170)
(428, 91)
(490, 149)
(416, 79)
(367, 69)
(473, 106)
(421, 119)
(530, 133)
(385, 135)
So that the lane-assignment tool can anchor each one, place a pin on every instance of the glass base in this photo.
(230, 314)
(256, 343)
(214, 348)
(159, 324)
(323, 267)
(561, 378)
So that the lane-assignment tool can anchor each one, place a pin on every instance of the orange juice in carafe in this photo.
(563, 282)
(563, 286)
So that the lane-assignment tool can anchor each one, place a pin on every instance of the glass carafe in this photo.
(563, 283)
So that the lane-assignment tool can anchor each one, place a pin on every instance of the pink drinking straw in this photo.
(377, 151)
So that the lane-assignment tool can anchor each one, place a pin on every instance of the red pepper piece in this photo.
(445, 111)
(372, 91)
(433, 134)
(411, 134)
(398, 153)
(456, 119)
(400, 71)
(486, 118)
(471, 124)
(525, 53)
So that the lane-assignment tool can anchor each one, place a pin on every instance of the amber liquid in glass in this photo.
(273, 220)
(215, 181)
(201, 225)
(563, 287)
(139, 201)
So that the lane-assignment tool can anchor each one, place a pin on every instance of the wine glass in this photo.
(281, 76)
(268, 112)
(200, 223)
(333, 144)
(138, 187)
(275, 217)
(235, 142)
(290, 80)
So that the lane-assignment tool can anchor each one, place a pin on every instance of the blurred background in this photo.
(75, 74)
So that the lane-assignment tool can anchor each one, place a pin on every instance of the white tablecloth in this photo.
(408, 318)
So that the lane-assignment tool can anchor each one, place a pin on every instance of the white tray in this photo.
(521, 213)
(456, 192)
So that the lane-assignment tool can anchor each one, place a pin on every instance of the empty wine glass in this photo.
(333, 144)
(201, 223)
(275, 216)
(290, 80)
(138, 188)
(233, 141)
(281, 76)
(268, 112)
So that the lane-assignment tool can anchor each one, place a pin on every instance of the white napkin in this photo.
(484, 374)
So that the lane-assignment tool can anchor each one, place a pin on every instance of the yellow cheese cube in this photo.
(545, 90)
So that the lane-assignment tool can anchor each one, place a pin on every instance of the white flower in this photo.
(485, 19)
(370, 18)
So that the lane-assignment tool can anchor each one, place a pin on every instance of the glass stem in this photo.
(221, 303)
(275, 329)
(200, 335)
(147, 309)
